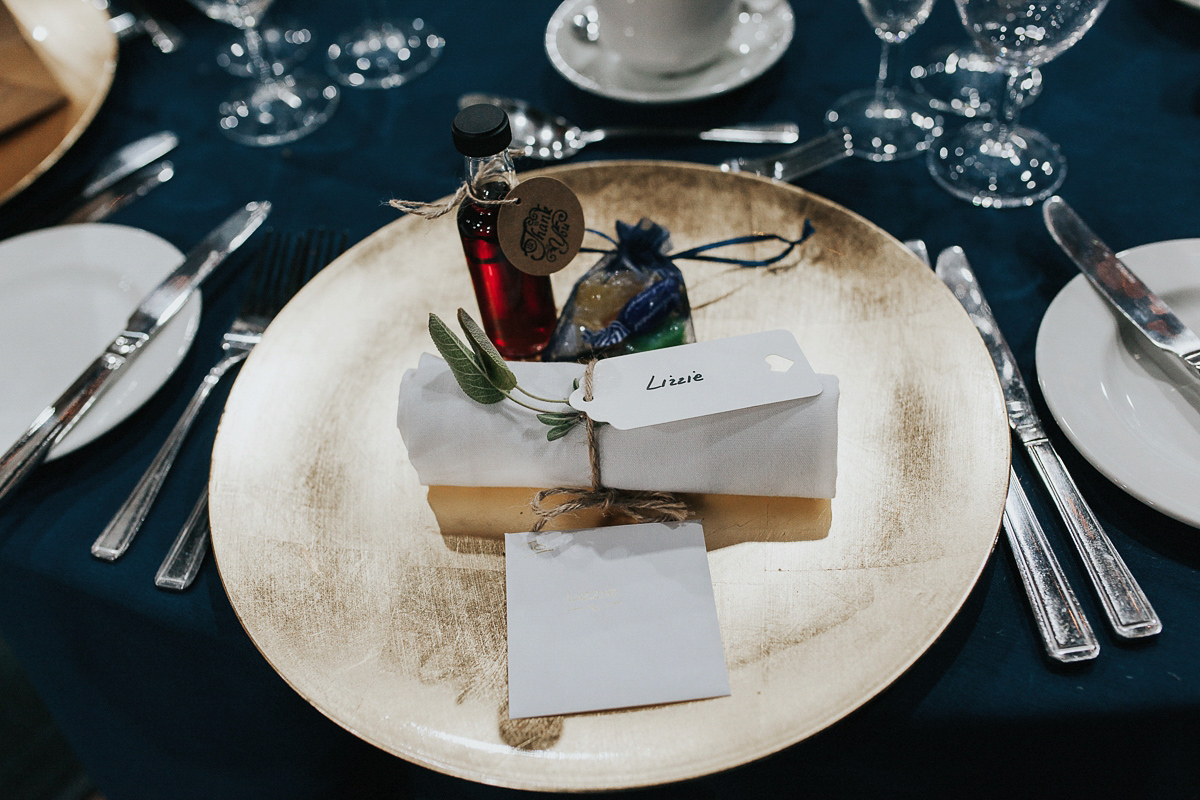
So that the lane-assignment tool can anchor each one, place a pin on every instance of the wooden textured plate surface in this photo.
(336, 566)
(74, 41)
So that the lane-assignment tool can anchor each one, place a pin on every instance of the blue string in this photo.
(694, 253)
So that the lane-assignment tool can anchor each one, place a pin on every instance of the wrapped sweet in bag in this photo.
(633, 299)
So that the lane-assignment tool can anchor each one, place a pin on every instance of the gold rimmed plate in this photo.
(390, 618)
(74, 42)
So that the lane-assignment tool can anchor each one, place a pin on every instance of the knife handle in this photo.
(800, 160)
(55, 422)
(1126, 605)
(1065, 631)
(111, 200)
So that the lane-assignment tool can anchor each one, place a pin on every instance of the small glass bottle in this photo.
(517, 309)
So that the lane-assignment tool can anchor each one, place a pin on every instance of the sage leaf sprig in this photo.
(486, 353)
(484, 377)
(466, 364)
(560, 423)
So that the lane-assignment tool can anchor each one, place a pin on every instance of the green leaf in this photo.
(488, 356)
(554, 418)
(560, 431)
(463, 363)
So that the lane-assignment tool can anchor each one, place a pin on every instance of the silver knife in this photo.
(128, 160)
(799, 161)
(156, 309)
(1123, 290)
(1066, 633)
(113, 199)
(118, 167)
(1128, 610)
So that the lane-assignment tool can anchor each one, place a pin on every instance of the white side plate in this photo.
(759, 39)
(65, 293)
(1116, 406)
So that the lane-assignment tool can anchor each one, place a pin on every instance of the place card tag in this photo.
(543, 230)
(694, 380)
(612, 617)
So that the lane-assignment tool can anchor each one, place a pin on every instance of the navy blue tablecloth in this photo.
(162, 695)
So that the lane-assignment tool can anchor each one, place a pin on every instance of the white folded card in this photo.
(610, 618)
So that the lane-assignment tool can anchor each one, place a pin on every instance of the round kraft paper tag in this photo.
(543, 230)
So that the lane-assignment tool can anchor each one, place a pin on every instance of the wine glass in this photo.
(275, 108)
(384, 52)
(998, 163)
(285, 44)
(963, 81)
(887, 123)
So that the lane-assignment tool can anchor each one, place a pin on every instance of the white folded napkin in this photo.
(784, 449)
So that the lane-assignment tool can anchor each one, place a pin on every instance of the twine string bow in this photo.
(491, 171)
(641, 506)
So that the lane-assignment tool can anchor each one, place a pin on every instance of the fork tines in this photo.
(284, 264)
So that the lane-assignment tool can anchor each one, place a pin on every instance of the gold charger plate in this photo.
(335, 564)
(74, 41)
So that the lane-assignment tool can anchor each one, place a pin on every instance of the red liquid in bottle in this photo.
(517, 308)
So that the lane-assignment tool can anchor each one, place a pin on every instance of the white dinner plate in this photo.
(65, 293)
(761, 35)
(1114, 403)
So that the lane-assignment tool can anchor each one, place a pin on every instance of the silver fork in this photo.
(1066, 633)
(187, 552)
(285, 263)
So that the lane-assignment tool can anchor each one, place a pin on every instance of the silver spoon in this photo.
(547, 137)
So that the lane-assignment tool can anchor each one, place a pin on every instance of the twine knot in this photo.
(641, 506)
(465, 190)
(435, 210)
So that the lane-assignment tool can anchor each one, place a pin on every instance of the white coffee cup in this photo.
(666, 36)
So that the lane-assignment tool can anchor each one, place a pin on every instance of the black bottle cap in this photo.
(481, 130)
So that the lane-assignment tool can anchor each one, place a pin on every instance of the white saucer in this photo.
(1116, 406)
(762, 34)
(65, 293)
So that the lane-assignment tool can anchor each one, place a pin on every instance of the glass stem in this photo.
(254, 48)
(1010, 105)
(881, 81)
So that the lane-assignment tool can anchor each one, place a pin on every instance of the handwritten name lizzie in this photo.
(671, 380)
